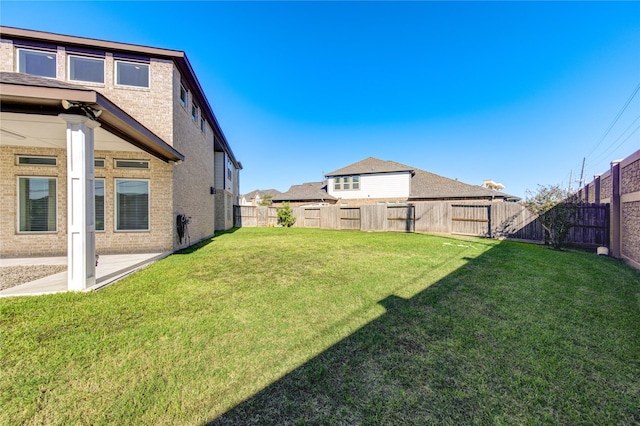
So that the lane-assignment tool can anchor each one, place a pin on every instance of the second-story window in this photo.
(194, 112)
(203, 124)
(132, 74)
(184, 94)
(86, 69)
(36, 62)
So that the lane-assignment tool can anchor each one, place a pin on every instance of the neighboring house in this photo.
(373, 181)
(307, 194)
(102, 146)
(254, 198)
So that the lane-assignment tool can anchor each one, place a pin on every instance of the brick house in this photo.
(102, 146)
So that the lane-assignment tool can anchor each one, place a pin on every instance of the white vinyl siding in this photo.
(381, 185)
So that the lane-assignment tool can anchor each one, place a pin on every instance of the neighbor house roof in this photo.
(178, 57)
(23, 93)
(251, 195)
(424, 185)
(310, 191)
(371, 165)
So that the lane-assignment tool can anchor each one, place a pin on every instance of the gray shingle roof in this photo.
(32, 80)
(424, 185)
(251, 195)
(310, 191)
(371, 165)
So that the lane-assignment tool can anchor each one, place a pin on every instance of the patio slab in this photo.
(111, 267)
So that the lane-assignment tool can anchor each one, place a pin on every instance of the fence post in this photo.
(615, 209)
(596, 183)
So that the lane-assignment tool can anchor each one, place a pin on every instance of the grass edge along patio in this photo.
(317, 326)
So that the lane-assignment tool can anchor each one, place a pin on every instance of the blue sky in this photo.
(517, 92)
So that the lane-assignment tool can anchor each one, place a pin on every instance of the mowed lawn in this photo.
(302, 326)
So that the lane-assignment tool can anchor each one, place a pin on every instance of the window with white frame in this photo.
(203, 124)
(184, 95)
(132, 74)
(37, 204)
(37, 62)
(99, 204)
(229, 171)
(82, 68)
(194, 112)
(132, 204)
(345, 183)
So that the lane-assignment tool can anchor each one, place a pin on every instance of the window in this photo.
(203, 123)
(36, 62)
(86, 69)
(37, 204)
(24, 160)
(230, 171)
(183, 96)
(346, 183)
(132, 205)
(194, 112)
(132, 164)
(98, 163)
(99, 204)
(132, 74)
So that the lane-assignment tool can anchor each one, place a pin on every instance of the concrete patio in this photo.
(110, 268)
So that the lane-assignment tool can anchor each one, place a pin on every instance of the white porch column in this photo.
(81, 229)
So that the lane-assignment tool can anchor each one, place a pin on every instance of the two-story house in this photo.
(106, 147)
(372, 181)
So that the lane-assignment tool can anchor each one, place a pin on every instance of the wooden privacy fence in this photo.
(485, 219)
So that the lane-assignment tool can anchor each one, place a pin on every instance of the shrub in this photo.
(285, 216)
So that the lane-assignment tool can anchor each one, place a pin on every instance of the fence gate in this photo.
(350, 218)
(471, 219)
(401, 218)
(263, 215)
(312, 218)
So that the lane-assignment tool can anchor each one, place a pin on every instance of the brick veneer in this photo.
(159, 237)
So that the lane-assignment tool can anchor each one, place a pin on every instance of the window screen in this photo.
(132, 205)
(99, 204)
(86, 69)
(37, 204)
(36, 62)
(132, 74)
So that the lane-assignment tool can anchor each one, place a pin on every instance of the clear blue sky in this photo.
(517, 92)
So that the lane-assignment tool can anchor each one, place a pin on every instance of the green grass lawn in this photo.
(302, 326)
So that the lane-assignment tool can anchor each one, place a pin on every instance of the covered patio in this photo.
(39, 113)
(111, 267)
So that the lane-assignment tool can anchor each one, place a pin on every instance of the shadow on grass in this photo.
(205, 242)
(468, 349)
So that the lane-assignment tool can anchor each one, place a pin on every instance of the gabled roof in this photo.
(424, 185)
(310, 191)
(24, 93)
(371, 165)
(251, 195)
(178, 57)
